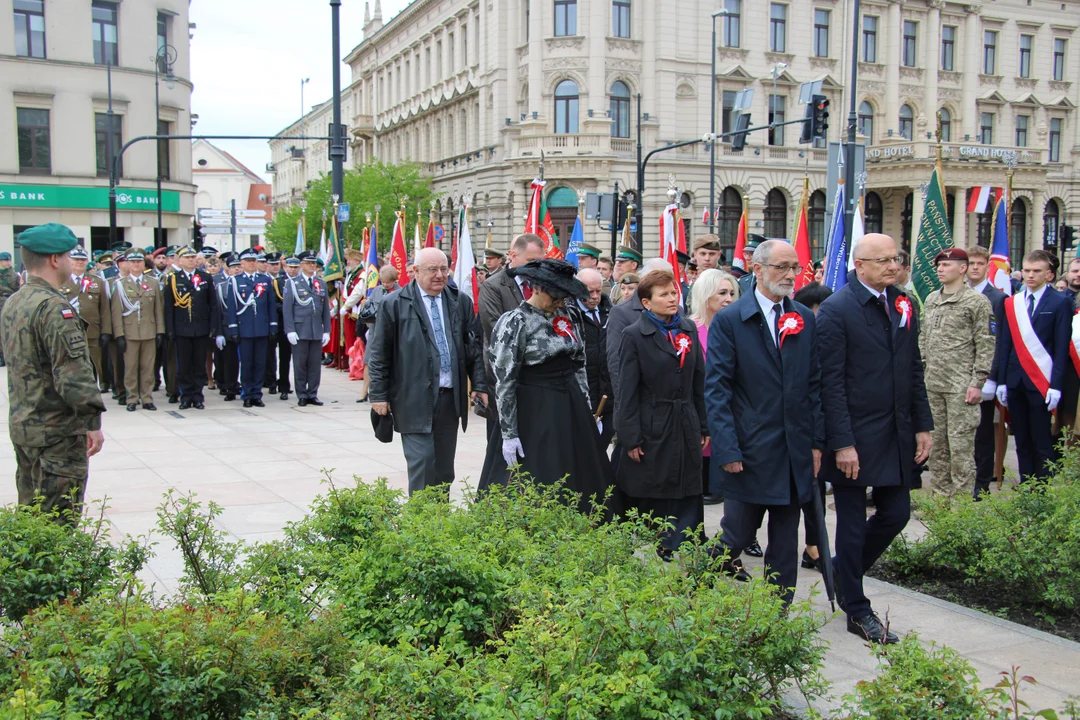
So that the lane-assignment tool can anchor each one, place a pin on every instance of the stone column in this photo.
(597, 31)
(1035, 233)
(536, 60)
(959, 229)
(916, 215)
(894, 34)
(972, 55)
(931, 61)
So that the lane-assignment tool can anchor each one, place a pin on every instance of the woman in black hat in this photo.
(545, 412)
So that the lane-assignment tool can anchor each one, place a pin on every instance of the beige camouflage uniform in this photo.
(957, 348)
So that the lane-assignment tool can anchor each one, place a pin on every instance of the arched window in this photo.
(776, 214)
(1018, 232)
(866, 121)
(1051, 219)
(907, 121)
(946, 124)
(566, 107)
(872, 213)
(815, 216)
(620, 110)
(728, 215)
(905, 223)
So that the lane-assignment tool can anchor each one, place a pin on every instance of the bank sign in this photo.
(86, 198)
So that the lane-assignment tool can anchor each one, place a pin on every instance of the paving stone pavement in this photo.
(263, 466)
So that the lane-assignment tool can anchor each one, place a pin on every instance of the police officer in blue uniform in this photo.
(251, 312)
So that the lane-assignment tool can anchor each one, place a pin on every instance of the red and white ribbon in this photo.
(1034, 358)
(86, 283)
(903, 306)
(790, 324)
(1074, 346)
(682, 343)
(564, 327)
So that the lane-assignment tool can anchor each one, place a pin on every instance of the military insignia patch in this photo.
(67, 313)
(993, 326)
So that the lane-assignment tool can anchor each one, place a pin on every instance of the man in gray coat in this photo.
(306, 311)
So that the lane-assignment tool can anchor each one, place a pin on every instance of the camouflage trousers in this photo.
(952, 459)
(53, 472)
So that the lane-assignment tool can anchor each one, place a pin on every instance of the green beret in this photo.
(48, 239)
(5, 256)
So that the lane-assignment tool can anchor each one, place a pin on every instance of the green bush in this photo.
(517, 606)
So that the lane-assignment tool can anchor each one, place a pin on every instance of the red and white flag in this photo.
(398, 254)
(465, 262)
(705, 217)
(669, 242)
(740, 241)
(981, 198)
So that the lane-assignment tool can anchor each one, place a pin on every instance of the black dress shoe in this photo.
(229, 397)
(869, 627)
(185, 404)
(257, 402)
(712, 499)
(665, 554)
(753, 549)
(122, 400)
(302, 402)
(149, 406)
(173, 399)
(284, 396)
(734, 569)
(247, 403)
(198, 405)
(315, 401)
(133, 407)
(810, 563)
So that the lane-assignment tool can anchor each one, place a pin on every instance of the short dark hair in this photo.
(32, 260)
(524, 240)
(605, 261)
(813, 294)
(1040, 256)
(657, 278)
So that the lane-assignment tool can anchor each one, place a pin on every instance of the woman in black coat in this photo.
(661, 413)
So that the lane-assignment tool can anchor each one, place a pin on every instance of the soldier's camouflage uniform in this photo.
(957, 346)
(9, 283)
(54, 399)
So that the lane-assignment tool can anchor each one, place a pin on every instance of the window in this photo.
(728, 215)
(102, 132)
(1059, 59)
(821, 33)
(525, 4)
(732, 23)
(946, 124)
(450, 52)
(620, 18)
(1051, 217)
(162, 32)
(727, 111)
(104, 28)
(163, 150)
(910, 43)
(620, 110)
(948, 46)
(30, 28)
(565, 18)
(986, 128)
(907, 121)
(1026, 42)
(776, 115)
(866, 121)
(1017, 232)
(775, 214)
(566, 107)
(869, 39)
(438, 61)
(815, 217)
(778, 28)
(1055, 140)
(34, 155)
(989, 52)
(872, 218)
(1022, 130)
(464, 46)
(906, 215)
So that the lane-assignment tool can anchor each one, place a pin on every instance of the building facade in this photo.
(478, 91)
(296, 163)
(55, 58)
(220, 181)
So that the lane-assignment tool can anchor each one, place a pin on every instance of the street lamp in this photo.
(164, 59)
(712, 124)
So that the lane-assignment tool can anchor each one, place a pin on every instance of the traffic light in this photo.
(820, 104)
(742, 123)
(807, 126)
(1068, 236)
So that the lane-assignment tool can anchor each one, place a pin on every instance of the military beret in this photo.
(148, 249)
(628, 253)
(186, 251)
(587, 249)
(273, 257)
(78, 253)
(249, 254)
(5, 256)
(320, 262)
(707, 242)
(951, 254)
(208, 251)
(292, 261)
(496, 253)
(48, 239)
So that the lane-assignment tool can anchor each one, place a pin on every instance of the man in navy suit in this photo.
(763, 403)
(978, 267)
(877, 418)
(1033, 350)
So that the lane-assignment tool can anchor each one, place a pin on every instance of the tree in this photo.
(377, 183)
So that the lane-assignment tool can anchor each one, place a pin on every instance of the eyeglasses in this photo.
(785, 269)
(435, 270)
(895, 260)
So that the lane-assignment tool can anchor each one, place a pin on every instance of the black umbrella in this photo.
(824, 551)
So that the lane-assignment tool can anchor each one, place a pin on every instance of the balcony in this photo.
(363, 126)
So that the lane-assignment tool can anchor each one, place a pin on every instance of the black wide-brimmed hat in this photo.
(554, 275)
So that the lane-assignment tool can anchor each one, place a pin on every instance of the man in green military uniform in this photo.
(9, 283)
(54, 417)
(138, 321)
(86, 293)
(958, 349)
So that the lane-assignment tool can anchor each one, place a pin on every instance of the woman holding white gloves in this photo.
(305, 309)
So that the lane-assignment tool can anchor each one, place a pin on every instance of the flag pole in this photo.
(1000, 437)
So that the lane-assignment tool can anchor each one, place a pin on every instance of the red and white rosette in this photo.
(564, 327)
(196, 280)
(260, 289)
(903, 306)
(86, 283)
(145, 286)
(682, 343)
(315, 284)
(790, 324)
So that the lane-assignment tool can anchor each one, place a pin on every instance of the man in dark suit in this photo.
(877, 418)
(1033, 353)
(595, 312)
(763, 403)
(427, 392)
(500, 294)
(191, 318)
(978, 267)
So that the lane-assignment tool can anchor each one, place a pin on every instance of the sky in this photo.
(247, 60)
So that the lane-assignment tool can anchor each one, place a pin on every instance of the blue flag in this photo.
(299, 237)
(836, 254)
(371, 271)
(577, 236)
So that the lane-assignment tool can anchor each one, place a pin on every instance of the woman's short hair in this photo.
(813, 295)
(654, 279)
(388, 272)
(708, 284)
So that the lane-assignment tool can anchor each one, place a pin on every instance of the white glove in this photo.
(1002, 395)
(325, 338)
(220, 342)
(599, 426)
(293, 338)
(344, 311)
(989, 388)
(512, 451)
(1053, 397)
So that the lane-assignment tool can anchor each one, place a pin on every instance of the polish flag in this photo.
(981, 198)
(465, 262)
(670, 223)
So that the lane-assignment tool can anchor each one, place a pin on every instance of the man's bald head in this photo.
(594, 282)
(432, 270)
(877, 262)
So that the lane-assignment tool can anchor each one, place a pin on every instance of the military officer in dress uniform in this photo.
(86, 293)
(271, 381)
(251, 311)
(306, 309)
(627, 262)
(493, 260)
(227, 352)
(588, 257)
(190, 319)
(279, 343)
(138, 321)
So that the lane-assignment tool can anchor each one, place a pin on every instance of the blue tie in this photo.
(440, 337)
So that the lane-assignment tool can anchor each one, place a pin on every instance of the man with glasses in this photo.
(877, 419)
(426, 392)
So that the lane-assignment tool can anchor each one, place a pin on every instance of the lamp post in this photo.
(303, 130)
(712, 124)
(337, 141)
(164, 60)
(109, 150)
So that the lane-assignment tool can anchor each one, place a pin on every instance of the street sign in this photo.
(343, 213)
(250, 213)
(250, 222)
(227, 222)
(439, 233)
(207, 213)
(216, 230)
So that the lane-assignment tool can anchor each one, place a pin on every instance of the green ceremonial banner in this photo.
(935, 235)
(86, 198)
(335, 266)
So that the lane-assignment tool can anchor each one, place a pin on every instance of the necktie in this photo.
(440, 337)
(526, 289)
(778, 310)
(1031, 306)
(596, 318)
